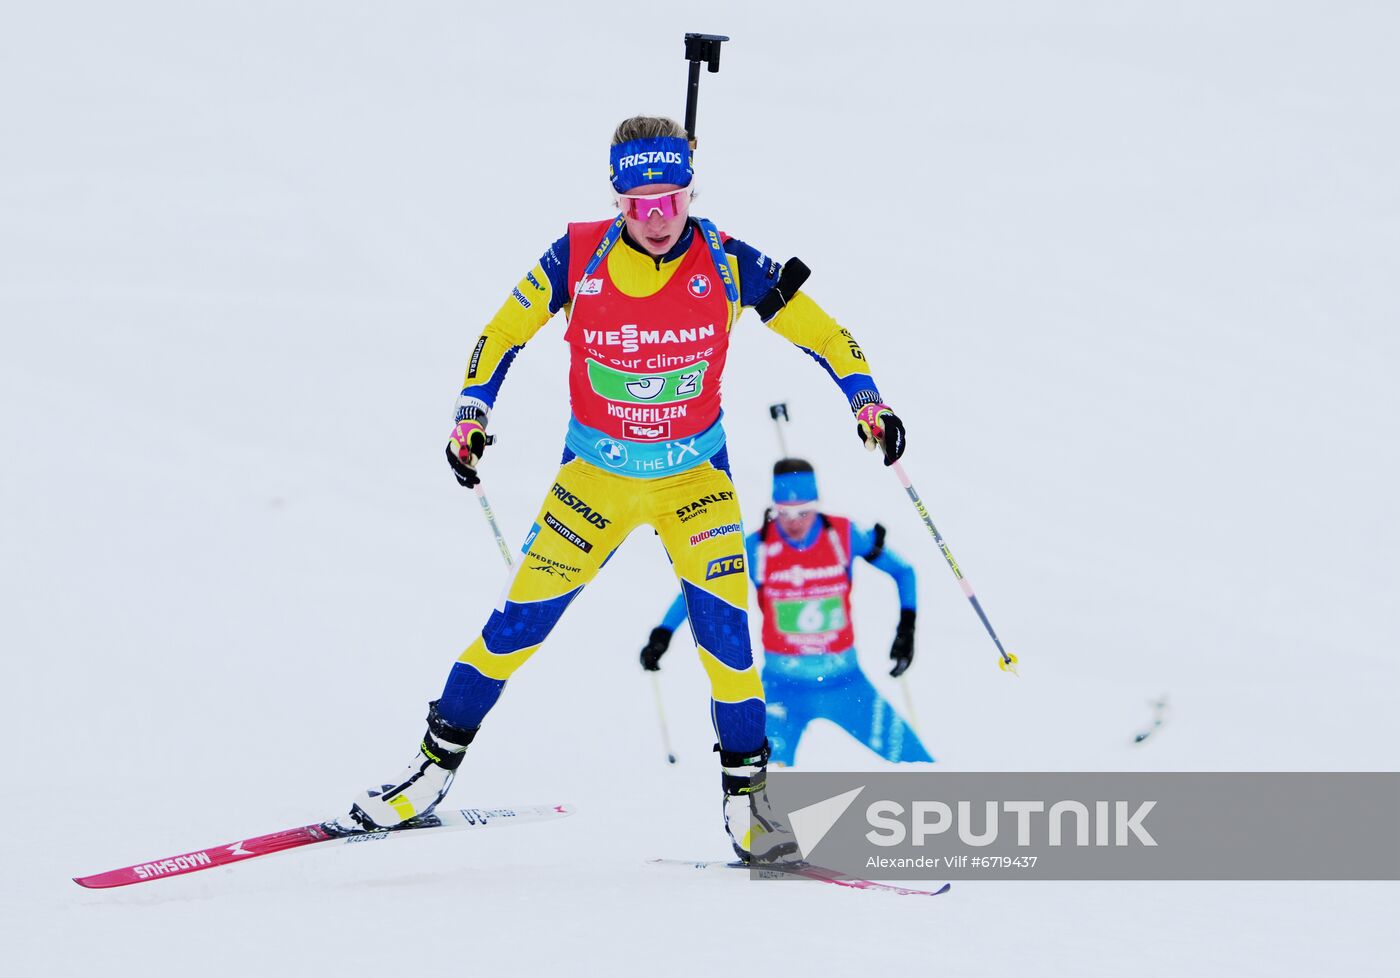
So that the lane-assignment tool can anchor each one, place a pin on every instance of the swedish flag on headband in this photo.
(655, 159)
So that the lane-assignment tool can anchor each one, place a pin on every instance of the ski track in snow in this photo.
(1125, 271)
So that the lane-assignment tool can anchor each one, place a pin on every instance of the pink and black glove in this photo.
(877, 425)
(468, 442)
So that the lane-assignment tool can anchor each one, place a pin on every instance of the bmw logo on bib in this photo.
(613, 452)
(699, 286)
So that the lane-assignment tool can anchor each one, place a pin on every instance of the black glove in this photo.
(468, 442)
(902, 651)
(655, 648)
(877, 425)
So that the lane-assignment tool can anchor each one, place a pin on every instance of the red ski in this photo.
(806, 871)
(319, 833)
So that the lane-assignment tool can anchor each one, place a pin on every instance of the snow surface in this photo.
(1126, 269)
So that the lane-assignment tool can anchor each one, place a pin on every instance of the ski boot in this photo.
(754, 830)
(421, 785)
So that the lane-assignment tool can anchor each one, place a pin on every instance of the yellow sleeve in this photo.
(809, 326)
(520, 317)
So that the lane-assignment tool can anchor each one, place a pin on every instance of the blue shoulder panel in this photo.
(757, 272)
(555, 263)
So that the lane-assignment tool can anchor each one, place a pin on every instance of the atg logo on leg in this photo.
(721, 566)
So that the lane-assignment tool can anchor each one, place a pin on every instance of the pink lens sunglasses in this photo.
(642, 206)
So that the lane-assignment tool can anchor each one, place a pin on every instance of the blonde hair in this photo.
(646, 127)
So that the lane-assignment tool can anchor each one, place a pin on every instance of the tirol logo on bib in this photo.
(646, 369)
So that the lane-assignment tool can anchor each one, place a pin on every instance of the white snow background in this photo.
(1126, 269)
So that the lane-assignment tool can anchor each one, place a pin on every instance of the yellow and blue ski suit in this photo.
(644, 444)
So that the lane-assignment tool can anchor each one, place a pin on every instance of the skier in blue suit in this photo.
(801, 562)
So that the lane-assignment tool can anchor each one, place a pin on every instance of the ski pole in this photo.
(776, 411)
(491, 518)
(909, 703)
(1007, 662)
(780, 411)
(698, 48)
(661, 718)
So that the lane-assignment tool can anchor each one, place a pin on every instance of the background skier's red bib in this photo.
(806, 594)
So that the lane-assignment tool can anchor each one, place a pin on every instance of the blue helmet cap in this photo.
(655, 159)
(794, 481)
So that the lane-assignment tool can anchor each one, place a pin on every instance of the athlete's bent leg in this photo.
(585, 516)
(697, 517)
(788, 714)
(858, 708)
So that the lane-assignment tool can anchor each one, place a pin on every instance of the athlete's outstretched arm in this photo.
(870, 544)
(774, 290)
(677, 614)
(660, 638)
(533, 302)
(674, 614)
(752, 557)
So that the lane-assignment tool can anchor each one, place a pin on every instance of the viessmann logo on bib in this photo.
(798, 576)
(630, 337)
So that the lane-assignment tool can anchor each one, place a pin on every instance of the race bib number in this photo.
(660, 388)
(809, 617)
